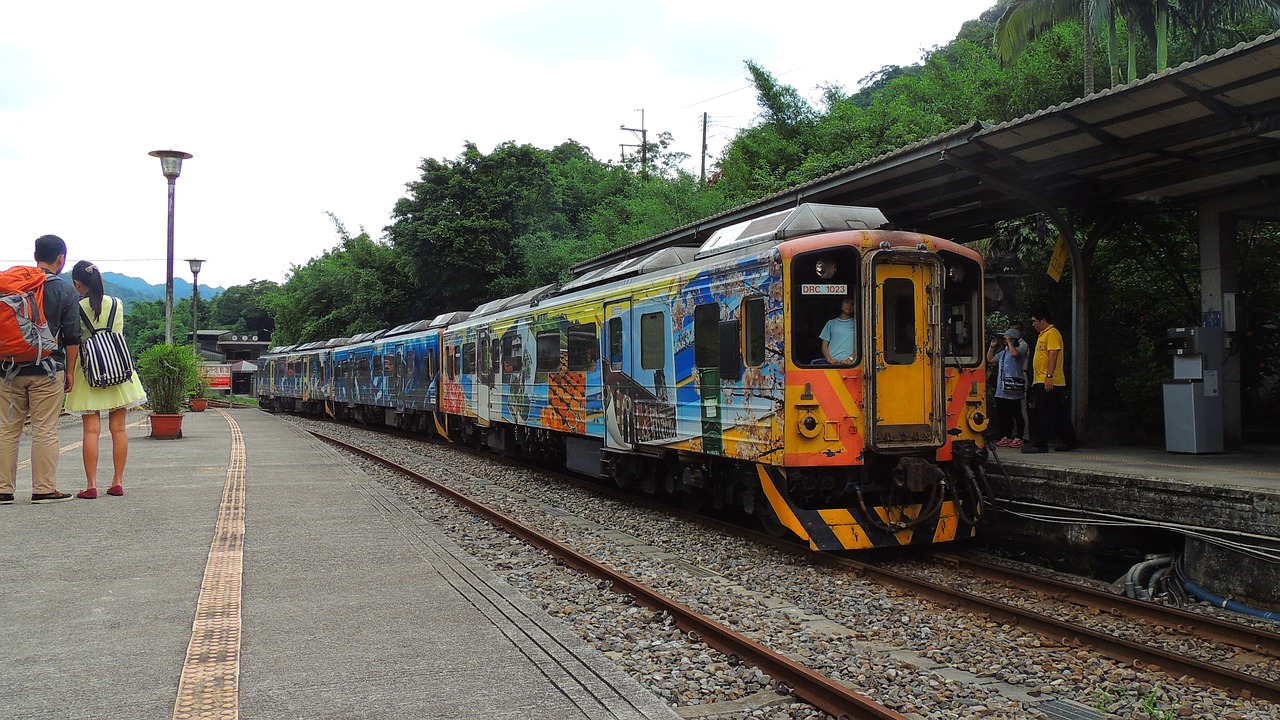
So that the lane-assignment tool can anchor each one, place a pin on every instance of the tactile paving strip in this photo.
(210, 682)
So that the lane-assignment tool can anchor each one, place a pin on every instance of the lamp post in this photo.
(171, 165)
(195, 303)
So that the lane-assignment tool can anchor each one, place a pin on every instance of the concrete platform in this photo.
(1135, 494)
(331, 600)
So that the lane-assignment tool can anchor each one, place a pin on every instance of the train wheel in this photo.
(769, 522)
(693, 501)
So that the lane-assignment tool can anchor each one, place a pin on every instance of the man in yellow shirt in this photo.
(1049, 388)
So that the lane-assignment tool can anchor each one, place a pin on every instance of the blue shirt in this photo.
(840, 337)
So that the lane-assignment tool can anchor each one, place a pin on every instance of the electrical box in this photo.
(1193, 409)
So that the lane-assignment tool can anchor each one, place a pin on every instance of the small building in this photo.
(232, 354)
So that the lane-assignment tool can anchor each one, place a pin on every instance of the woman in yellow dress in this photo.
(89, 401)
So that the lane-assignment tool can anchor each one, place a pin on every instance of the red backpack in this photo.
(24, 333)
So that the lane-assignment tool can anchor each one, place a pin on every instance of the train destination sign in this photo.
(824, 289)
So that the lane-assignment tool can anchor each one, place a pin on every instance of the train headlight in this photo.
(978, 420)
(809, 425)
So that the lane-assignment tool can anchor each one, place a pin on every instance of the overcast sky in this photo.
(293, 110)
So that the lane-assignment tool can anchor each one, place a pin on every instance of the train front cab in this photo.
(885, 451)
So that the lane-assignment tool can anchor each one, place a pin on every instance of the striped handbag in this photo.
(104, 355)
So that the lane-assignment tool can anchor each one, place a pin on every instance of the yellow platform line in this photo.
(210, 682)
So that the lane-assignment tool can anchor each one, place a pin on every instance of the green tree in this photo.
(358, 286)
(457, 228)
(1025, 20)
(144, 325)
(246, 308)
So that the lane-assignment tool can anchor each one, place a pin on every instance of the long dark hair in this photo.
(87, 274)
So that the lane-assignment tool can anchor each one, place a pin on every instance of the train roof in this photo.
(335, 342)
(409, 327)
(449, 318)
(805, 219)
(367, 336)
(525, 299)
(661, 260)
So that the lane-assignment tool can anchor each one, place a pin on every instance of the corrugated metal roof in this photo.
(1205, 129)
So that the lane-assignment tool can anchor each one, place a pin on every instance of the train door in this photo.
(304, 389)
(617, 340)
(393, 364)
(706, 358)
(907, 410)
(485, 394)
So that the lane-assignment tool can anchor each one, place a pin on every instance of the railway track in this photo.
(1139, 655)
(814, 688)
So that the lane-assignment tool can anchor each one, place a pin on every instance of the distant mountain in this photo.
(129, 288)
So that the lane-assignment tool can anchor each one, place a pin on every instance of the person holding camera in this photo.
(1008, 352)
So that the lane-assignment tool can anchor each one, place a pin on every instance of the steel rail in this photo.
(814, 688)
(1119, 649)
(1196, 624)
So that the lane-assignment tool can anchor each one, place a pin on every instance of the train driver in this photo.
(839, 336)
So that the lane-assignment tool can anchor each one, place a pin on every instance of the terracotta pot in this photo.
(198, 404)
(166, 427)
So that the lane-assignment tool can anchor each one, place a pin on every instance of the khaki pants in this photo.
(40, 397)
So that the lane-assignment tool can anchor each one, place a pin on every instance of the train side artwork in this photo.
(699, 373)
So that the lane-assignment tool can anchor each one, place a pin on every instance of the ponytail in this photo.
(87, 274)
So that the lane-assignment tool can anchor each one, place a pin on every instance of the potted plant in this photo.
(169, 373)
(199, 399)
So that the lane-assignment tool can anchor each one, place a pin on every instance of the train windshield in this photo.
(820, 284)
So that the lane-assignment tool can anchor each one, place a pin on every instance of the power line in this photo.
(101, 260)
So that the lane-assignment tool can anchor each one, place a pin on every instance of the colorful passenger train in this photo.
(698, 372)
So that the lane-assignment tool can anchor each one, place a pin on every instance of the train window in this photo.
(653, 341)
(432, 366)
(615, 343)
(753, 332)
(961, 309)
(899, 321)
(469, 358)
(512, 354)
(706, 335)
(495, 353)
(486, 360)
(548, 352)
(377, 366)
(730, 351)
(584, 347)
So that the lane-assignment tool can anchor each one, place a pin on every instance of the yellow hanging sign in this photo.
(1059, 260)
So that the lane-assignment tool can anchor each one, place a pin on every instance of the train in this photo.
(699, 373)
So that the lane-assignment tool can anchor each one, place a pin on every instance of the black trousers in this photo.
(1009, 413)
(1051, 413)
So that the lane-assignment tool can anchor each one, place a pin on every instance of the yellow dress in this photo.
(85, 398)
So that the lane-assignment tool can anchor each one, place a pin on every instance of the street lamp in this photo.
(195, 303)
(171, 166)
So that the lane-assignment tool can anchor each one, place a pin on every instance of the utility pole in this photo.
(702, 177)
(644, 144)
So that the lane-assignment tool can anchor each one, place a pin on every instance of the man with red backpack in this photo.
(32, 383)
